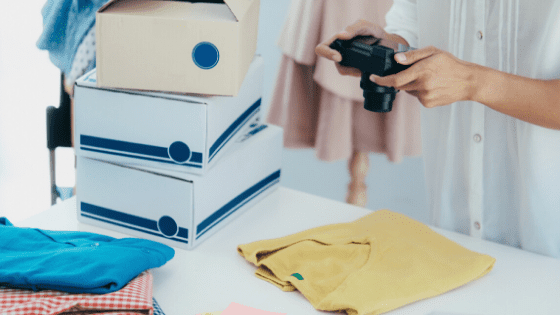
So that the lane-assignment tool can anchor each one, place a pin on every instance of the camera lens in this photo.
(379, 102)
(377, 98)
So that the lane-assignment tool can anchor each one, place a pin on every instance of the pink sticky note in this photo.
(238, 309)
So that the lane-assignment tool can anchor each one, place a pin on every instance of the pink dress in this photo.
(319, 108)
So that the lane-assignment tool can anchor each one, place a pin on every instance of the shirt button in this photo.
(479, 34)
(477, 225)
(477, 138)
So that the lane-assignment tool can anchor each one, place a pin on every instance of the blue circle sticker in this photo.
(167, 226)
(179, 152)
(205, 55)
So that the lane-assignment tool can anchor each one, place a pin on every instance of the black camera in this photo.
(372, 55)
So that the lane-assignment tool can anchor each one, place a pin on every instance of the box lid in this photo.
(177, 9)
(90, 80)
(239, 7)
(103, 7)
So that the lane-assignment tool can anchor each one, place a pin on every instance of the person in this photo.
(487, 74)
(327, 113)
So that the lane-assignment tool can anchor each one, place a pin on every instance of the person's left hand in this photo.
(436, 77)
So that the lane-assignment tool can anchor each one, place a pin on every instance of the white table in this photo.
(213, 275)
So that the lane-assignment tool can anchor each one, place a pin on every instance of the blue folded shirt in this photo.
(75, 262)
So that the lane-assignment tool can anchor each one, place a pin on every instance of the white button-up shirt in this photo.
(488, 174)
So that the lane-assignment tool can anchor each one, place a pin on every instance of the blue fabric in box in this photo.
(65, 23)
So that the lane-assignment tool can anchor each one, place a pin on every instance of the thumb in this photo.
(324, 50)
(412, 56)
(345, 35)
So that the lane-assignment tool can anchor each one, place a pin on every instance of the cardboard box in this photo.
(178, 209)
(176, 46)
(184, 133)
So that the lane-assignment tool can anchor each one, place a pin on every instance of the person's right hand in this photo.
(361, 27)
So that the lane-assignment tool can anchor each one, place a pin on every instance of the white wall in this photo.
(29, 82)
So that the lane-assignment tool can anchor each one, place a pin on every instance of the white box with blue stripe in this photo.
(180, 209)
(179, 132)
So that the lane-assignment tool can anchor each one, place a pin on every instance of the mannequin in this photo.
(318, 108)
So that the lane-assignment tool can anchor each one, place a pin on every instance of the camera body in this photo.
(372, 55)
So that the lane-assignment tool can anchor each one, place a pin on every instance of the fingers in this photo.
(412, 87)
(363, 27)
(413, 56)
(360, 27)
(400, 81)
(325, 51)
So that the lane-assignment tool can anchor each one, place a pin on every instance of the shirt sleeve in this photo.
(402, 20)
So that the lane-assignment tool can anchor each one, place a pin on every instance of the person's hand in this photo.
(360, 27)
(436, 77)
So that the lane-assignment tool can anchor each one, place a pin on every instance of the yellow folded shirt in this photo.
(373, 265)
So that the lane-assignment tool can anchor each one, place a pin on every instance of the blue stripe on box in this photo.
(145, 158)
(239, 206)
(184, 233)
(135, 148)
(118, 224)
(235, 204)
(119, 216)
(124, 146)
(233, 128)
(94, 212)
(196, 157)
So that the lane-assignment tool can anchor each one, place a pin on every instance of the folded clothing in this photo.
(75, 262)
(373, 265)
(134, 298)
(84, 61)
(157, 308)
(65, 24)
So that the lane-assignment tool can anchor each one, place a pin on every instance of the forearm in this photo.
(530, 100)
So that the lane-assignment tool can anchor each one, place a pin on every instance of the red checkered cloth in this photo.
(133, 299)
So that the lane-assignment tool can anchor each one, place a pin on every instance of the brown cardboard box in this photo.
(176, 46)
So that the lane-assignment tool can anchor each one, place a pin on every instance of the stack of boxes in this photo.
(166, 129)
